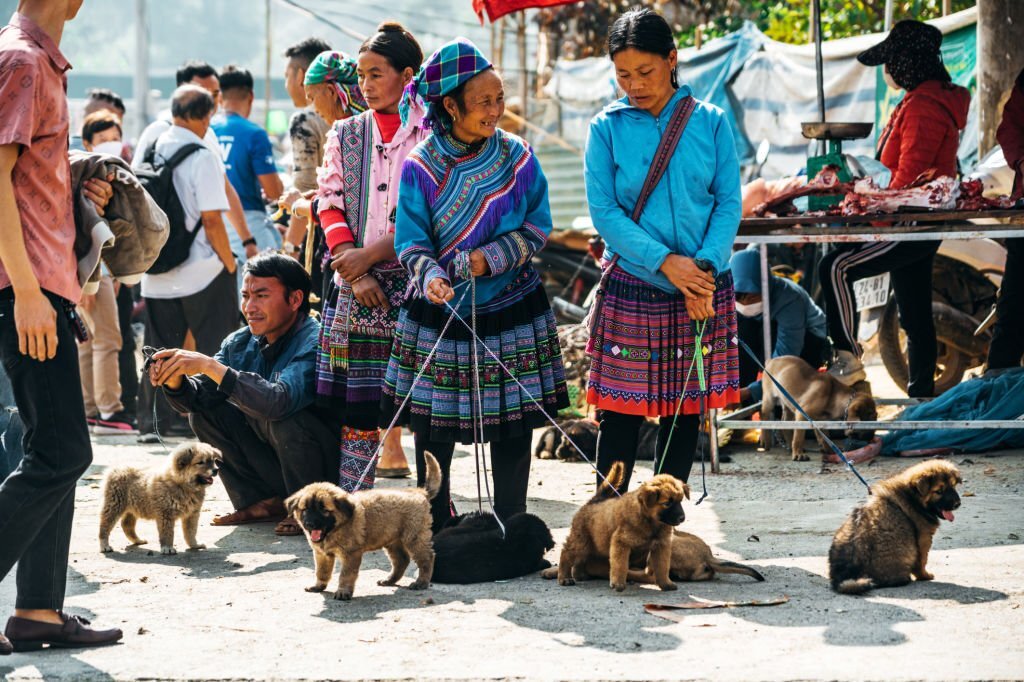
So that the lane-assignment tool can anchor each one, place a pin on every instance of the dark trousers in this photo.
(910, 267)
(1008, 336)
(510, 470)
(37, 501)
(211, 315)
(816, 350)
(127, 370)
(264, 459)
(619, 434)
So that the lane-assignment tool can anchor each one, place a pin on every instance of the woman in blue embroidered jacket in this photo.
(671, 275)
(473, 204)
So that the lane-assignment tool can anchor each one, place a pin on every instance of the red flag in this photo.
(499, 8)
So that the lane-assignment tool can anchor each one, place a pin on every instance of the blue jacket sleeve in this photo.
(294, 388)
(514, 249)
(789, 316)
(725, 216)
(413, 231)
(611, 220)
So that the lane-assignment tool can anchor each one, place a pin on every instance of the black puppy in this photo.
(470, 548)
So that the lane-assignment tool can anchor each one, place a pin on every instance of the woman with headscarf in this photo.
(667, 276)
(472, 211)
(332, 87)
(923, 134)
(356, 199)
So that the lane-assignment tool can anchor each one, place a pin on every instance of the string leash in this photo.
(828, 441)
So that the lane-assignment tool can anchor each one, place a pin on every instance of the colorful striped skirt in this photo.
(443, 404)
(642, 346)
(355, 345)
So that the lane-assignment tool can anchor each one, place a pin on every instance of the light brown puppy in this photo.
(164, 495)
(821, 395)
(343, 526)
(612, 527)
(692, 561)
(886, 540)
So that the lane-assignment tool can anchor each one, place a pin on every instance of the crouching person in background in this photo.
(254, 399)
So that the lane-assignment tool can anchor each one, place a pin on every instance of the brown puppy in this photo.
(692, 561)
(611, 527)
(165, 495)
(821, 395)
(344, 526)
(886, 540)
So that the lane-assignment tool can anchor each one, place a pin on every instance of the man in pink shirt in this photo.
(38, 290)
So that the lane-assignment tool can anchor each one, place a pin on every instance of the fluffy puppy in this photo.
(692, 561)
(821, 395)
(584, 433)
(343, 526)
(886, 540)
(472, 549)
(164, 495)
(612, 527)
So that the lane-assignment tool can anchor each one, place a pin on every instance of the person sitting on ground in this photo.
(254, 399)
(798, 324)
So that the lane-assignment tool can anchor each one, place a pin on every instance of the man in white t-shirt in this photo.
(200, 294)
(205, 76)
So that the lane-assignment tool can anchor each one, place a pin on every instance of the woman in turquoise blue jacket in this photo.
(668, 277)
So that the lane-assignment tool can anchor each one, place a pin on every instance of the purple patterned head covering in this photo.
(453, 64)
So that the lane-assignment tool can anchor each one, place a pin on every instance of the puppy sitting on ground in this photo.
(692, 561)
(886, 540)
(584, 433)
(471, 548)
(343, 526)
(612, 527)
(164, 495)
(822, 396)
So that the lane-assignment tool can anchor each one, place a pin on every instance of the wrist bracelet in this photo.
(250, 241)
(358, 278)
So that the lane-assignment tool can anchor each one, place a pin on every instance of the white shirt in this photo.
(158, 127)
(199, 181)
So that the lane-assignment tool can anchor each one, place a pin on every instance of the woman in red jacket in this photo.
(923, 134)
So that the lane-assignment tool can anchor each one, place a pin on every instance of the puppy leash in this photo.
(828, 441)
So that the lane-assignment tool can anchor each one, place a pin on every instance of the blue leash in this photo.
(835, 448)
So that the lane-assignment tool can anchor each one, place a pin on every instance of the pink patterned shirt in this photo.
(34, 115)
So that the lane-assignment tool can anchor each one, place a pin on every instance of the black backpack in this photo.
(158, 180)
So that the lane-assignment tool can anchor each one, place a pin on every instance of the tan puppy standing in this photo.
(343, 526)
(821, 395)
(613, 527)
(164, 495)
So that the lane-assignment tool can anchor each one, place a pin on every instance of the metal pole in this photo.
(947, 7)
(766, 304)
(524, 79)
(266, 72)
(819, 67)
(888, 14)
(140, 81)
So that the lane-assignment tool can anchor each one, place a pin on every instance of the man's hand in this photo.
(288, 199)
(251, 251)
(439, 291)
(700, 307)
(171, 366)
(368, 292)
(99, 191)
(36, 322)
(353, 263)
(687, 277)
(478, 263)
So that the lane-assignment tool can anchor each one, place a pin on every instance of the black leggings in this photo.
(618, 439)
(510, 470)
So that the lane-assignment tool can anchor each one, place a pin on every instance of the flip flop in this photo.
(396, 472)
(263, 511)
(287, 527)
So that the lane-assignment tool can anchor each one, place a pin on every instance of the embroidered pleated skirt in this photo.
(443, 405)
(642, 346)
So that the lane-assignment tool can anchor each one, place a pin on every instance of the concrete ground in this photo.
(237, 610)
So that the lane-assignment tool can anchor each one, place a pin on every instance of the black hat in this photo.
(906, 37)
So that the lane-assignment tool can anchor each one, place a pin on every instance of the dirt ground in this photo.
(237, 610)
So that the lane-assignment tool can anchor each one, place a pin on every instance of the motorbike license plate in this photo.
(871, 292)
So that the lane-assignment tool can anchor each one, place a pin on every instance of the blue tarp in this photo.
(999, 397)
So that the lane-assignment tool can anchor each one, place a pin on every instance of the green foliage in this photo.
(789, 20)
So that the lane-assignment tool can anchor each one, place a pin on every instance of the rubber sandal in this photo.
(397, 472)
